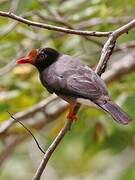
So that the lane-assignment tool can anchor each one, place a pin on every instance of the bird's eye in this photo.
(42, 56)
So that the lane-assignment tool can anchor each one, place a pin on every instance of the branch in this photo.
(36, 141)
(109, 46)
(53, 146)
(51, 27)
(51, 149)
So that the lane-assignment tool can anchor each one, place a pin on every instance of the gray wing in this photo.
(83, 83)
(83, 87)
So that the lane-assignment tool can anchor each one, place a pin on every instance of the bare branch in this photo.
(105, 55)
(51, 27)
(36, 141)
(53, 146)
(109, 46)
(51, 149)
(124, 29)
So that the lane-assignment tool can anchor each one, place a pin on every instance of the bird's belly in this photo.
(69, 99)
(72, 100)
(86, 102)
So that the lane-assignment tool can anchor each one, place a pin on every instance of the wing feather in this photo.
(82, 86)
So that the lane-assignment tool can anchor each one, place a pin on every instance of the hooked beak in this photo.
(28, 59)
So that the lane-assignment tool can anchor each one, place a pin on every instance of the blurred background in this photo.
(96, 147)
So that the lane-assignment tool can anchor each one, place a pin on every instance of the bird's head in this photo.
(40, 58)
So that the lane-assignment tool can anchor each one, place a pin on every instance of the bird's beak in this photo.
(28, 59)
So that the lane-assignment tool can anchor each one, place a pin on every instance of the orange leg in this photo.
(72, 111)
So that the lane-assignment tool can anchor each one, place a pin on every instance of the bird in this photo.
(73, 81)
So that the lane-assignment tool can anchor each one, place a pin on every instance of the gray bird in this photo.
(73, 81)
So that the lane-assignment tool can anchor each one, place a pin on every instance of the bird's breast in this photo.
(50, 79)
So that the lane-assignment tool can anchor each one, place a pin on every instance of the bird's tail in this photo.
(116, 112)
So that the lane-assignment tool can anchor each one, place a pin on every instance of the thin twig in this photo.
(51, 27)
(109, 46)
(37, 143)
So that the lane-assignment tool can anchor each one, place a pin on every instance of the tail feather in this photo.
(116, 112)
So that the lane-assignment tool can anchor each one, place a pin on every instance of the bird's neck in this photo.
(48, 62)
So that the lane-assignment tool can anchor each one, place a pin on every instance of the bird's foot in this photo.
(71, 115)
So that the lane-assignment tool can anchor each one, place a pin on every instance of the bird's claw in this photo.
(72, 117)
